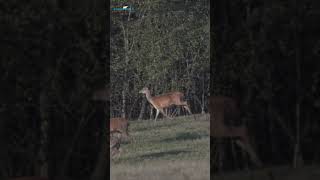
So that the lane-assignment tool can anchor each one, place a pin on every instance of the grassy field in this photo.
(168, 149)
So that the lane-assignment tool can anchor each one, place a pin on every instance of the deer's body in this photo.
(118, 128)
(119, 125)
(165, 100)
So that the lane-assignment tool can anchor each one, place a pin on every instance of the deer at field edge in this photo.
(160, 102)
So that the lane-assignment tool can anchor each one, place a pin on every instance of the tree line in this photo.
(161, 47)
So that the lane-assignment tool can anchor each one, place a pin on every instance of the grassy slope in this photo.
(168, 149)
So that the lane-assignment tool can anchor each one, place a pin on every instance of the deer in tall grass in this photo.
(165, 100)
(223, 108)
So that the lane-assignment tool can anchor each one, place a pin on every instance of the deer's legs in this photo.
(155, 119)
(168, 112)
(174, 112)
(187, 108)
(164, 114)
(185, 105)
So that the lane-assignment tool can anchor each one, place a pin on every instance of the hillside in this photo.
(176, 148)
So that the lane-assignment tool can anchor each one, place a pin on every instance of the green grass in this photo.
(177, 148)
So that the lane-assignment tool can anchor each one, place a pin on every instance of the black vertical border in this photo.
(107, 12)
(218, 37)
(212, 9)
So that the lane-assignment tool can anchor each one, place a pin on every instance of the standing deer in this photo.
(165, 100)
(225, 108)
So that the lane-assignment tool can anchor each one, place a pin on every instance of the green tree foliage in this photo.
(164, 46)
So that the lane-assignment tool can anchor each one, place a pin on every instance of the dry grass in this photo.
(167, 149)
(162, 169)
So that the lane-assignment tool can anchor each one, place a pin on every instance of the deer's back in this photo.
(167, 99)
(119, 124)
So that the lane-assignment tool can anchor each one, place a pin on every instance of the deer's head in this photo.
(144, 90)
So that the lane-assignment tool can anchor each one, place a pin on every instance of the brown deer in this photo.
(165, 100)
(120, 125)
(222, 108)
(118, 129)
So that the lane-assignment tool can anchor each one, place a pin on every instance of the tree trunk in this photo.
(200, 102)
(203, 95)
(125, 73)
(123, 108)
(143, 108)
(42, 166)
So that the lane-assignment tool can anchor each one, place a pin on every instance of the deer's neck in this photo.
(149, 98)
